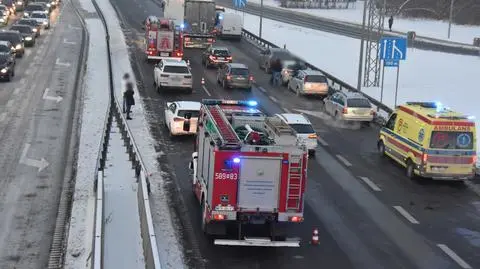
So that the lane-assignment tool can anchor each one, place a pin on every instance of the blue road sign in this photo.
(393, 48)
(391, 63)
(240, 3)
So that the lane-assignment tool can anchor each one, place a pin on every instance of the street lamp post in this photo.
(362, 44)
(261, 19)
(451, 17)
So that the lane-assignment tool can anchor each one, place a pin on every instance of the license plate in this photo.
(221, 58)
(164, 54)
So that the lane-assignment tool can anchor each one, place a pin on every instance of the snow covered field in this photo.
(423, 27)
(424, 76)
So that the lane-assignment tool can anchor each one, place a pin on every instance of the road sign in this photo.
(391, 63)
(393, 48)
(240, 3)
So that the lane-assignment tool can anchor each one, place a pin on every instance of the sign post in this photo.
(242, 4)
(392, 51)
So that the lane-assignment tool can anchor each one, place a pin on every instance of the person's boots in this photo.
(128, 115)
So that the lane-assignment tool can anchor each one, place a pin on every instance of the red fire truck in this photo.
(249, 175)
(162, 39)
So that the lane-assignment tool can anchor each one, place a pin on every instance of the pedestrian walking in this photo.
(276, 69)
(390, 23)
(129, 99)
(125, 81)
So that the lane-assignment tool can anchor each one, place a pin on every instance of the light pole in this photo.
(362, 44)
(261, 19)
(451, 17)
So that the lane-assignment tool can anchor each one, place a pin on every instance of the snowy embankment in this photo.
(423, 27)
(424, 76)
(167, 241)
(94, 111)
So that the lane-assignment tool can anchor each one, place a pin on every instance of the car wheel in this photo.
(9, 77)
(13, 73)
(159, 88)
(297, 92)
(410, 169)
(381, 148)
(224, 85)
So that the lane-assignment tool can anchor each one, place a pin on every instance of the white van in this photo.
(230, 26)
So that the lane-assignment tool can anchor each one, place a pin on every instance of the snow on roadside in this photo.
(88, 6)
(425, 75)
(423, 27)
(168, 244)
(95, 104)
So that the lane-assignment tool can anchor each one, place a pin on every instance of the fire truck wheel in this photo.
(159, 88)
(204, 214)
(224, 85)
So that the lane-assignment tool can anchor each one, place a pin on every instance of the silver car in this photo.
(349, 106)
(235, 75)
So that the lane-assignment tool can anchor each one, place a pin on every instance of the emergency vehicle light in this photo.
(471, 117)
(212, 102)
(236, 160)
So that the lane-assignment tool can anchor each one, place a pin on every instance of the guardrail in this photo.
(99, 229)
(334, 82)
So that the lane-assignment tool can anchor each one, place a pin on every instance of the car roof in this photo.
(238, 65)
(312, 72)
(294, 118)
(188, 105)
(38, 12)
(352, 94)
(174, 62)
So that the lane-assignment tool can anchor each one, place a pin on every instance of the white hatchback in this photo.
(303, 128)
(41, 17)
(174, 74)
(181, 117)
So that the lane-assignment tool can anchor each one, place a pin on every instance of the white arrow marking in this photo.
(69, 42)
(40, 164)
(52, 98)
(58, 62)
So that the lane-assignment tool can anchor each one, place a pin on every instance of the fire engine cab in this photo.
(249, 175)
(162, 39)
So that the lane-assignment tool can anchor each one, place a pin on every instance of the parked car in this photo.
(268, 55)
(181, 117)
(33, 23)
(6, 48)
(290, 69)
(7, 67)
(235, 75)
(42, 18)
(216, 56)
(303, 128)
(173, 74)
(28, 33)
(349, 106)
(16, 39)
(309, 82)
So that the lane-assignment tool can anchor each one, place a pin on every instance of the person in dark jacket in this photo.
(276, 69)
(390, 23)
(129, 100)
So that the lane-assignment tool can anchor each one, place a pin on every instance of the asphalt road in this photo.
(359, 227)
(345, 29)
(36, 131)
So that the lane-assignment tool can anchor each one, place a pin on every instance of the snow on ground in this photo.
(95, 104)
(87, 5)
(121, 216)
(423, 27)
(168, 245)
(425, 75)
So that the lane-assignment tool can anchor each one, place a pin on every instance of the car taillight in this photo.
(296, 219)
(164, 76)
(219, 217)
(250, 78)
(372, 112)
(312, 136)
(210, 40)
(424, 158)
(474, 159)
(177, 119)
(179, 54)
(213, 57)
(187, 38)
(229, 77)
(229, 58)
(345, 110)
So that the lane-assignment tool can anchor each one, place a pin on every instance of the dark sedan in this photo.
(35, 7)
(33, 23)
(16, 39)
(7, 67)
(27, 33)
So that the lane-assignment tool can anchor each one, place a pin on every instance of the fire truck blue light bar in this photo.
(251, 103)
(236, 160)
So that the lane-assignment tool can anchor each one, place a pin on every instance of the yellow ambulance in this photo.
(430, 141)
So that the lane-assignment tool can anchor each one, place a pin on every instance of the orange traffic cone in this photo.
(315, 240)
(203, 81)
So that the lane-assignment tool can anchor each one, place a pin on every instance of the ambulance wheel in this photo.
(410, 169)
(381, 148)
(204, 215)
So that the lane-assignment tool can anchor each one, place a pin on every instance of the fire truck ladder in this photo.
(294, 186)
(226, 134)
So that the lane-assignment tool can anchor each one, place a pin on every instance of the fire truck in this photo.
(162, 39)
(249, 175)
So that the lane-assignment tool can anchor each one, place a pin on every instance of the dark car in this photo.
(216, 56)
(235, 75)
(6, 48)
(16, 39)
(27, 32)
(7, 67)
(33, 23)
(35, 7)
(20, 4)
(47, 3)
(269, 55)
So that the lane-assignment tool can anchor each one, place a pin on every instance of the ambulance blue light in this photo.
(439, 106)
(182, 25)
(220, 17)
(471, 117)
(252, 103)
(236, 160)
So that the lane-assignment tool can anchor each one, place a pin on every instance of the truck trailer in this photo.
(199, 23)
(249, 175)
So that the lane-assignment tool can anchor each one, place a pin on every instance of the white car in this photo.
(303, 128)
(173, 74)
(309, 82)
(181, 117)
(41, 17)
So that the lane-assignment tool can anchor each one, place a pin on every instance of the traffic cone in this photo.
(203, 81)
(315, 240)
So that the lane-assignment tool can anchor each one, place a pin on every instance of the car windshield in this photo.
(34, 8)
(240, 72)
(316, 79)
(23, 30)
(451, 140)
(358, 102)
(221, 53)
(302, 128)
(4, 49)
(191, 113)
(176, 69)
(39, 15)
(13, 38)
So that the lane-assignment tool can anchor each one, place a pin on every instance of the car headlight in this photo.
(2, 20)
(49, 5)
(35, 30)
(19, 46)
(28, 38)
(4, 70)
(19, 3)
(45, 22)
(25, 14)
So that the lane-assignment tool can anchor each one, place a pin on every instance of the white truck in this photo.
(229, 25)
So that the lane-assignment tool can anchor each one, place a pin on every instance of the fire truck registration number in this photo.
(231, 176)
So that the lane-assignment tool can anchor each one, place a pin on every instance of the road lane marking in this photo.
(3, 116)
(262, 89)
(65, 41)
(10, 103)
(205, 89)
(454, 256)
(344, 161)
(370, 183)
(321, 141)
(17, 90)
(273, 99)
(406, 215)
(58, 62)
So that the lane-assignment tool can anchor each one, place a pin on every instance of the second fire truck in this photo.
(249, 175)
(162, 39)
